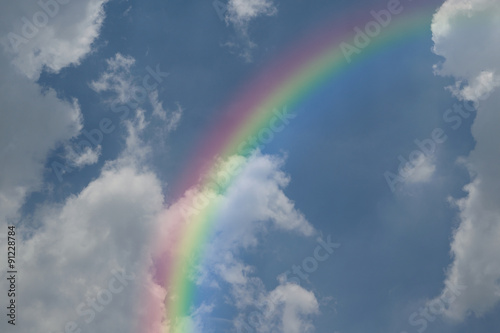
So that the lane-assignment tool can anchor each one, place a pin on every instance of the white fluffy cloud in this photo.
(53, 35)
(32, 122)
(287, 308)
(297, 305)
(256, 200)
(72, 261)
(478, 88)
(87, 248)
(252, 205)
(465, 33)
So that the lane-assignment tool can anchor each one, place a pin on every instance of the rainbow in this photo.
(285, 82)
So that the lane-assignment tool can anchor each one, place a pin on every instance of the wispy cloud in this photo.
(117, 78)
(240, 13)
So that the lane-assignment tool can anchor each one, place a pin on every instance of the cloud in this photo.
(420, 171)
(171, 118)
(253, 204)
(288, 308)
(117, 78)
(478, 88)
(94, 245)
(88, 156)
(257, 202)
(127, 89)
(466, 35)
(85, 244)
(240, 13)
(34, 122)
(298, 303)
(51, 37)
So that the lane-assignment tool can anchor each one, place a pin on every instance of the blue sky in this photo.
(147, 80)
